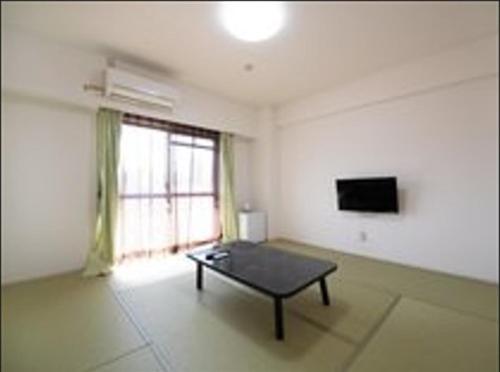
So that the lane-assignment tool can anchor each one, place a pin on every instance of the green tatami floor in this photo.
(150, 317)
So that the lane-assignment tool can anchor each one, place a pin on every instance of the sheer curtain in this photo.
(168, 190)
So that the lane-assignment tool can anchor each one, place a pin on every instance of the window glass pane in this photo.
(143, 225)
(152, 220)
(195, 218)
(208, 142)
(181, 138)
(143, 161)
(192, 169)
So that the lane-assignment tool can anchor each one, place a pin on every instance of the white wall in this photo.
(48, 186)
(48, 151)
(449, 67)
(266, 179)
(438, 135)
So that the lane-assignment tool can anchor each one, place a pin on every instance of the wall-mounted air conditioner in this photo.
(132, 88)
(124, 85)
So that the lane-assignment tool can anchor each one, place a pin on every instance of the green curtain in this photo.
(101, 255)
(228, 200)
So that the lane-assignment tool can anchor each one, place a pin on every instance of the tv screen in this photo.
(368, 194)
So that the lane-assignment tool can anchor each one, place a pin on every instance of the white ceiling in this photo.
(322, 44)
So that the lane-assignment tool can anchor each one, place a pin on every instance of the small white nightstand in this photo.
(253, 226)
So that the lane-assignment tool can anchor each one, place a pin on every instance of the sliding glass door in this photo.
(168, 189)
(193, 188)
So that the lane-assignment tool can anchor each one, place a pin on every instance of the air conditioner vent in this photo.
(126, 86)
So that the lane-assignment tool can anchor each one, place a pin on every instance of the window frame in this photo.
(173, 128)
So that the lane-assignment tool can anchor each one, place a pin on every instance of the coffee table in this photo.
(271, 271)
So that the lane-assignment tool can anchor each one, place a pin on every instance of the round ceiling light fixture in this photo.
(252, 20)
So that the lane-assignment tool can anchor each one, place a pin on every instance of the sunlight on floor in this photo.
(146, 271)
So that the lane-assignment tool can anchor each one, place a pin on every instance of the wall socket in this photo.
(362, 236)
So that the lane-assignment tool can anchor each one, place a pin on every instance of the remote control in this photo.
(216, 255)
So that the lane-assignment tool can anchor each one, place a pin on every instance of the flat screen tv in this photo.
(368, 194)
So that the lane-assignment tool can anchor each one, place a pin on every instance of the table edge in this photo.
(263, 290)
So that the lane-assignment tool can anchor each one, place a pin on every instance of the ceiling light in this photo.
(252, 20)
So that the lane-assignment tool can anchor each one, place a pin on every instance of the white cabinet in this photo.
(253, 226)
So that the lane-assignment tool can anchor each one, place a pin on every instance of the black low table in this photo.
(271, 271)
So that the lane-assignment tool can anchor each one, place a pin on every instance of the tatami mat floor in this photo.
(150, 317)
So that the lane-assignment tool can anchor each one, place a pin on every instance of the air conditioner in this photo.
(132, 88)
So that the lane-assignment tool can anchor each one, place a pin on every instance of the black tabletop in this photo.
(269, 270)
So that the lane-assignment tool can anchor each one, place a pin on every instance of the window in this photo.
(168, 187)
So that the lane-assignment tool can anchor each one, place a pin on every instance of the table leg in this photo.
(199, 276)
(324, 292)
(278, 318)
